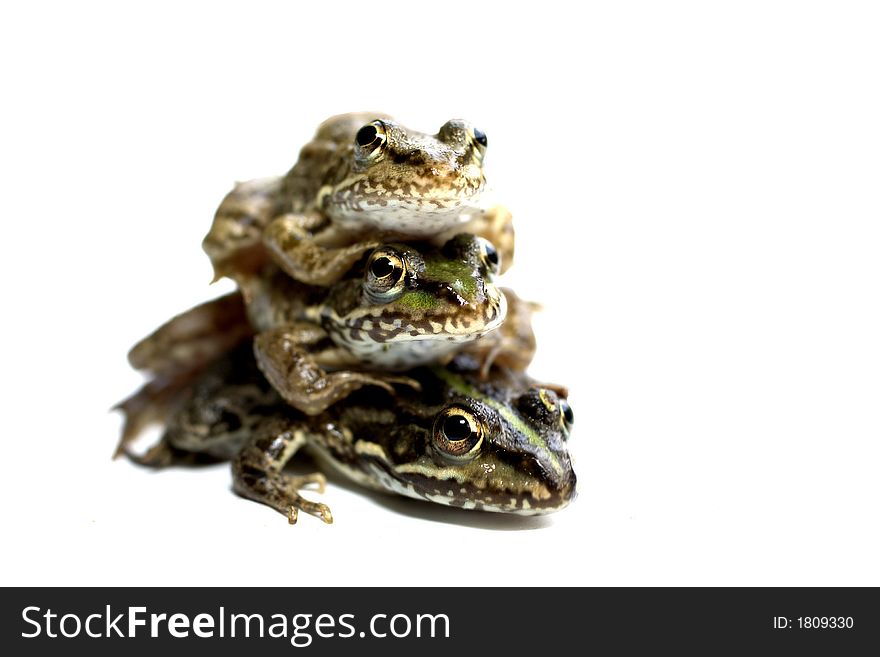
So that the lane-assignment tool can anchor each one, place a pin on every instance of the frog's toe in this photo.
(321, 511)
(316, 509)
(294, 502)
(389, 381)
(412, 383)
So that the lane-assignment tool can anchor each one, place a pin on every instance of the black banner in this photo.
(397, 621)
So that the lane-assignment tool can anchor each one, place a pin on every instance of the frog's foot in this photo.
(257, 474)
(293, 372)
(234, 242)
(489, 359)
(512, 345)
(194, 338)
(246, 261)
(297, 253)
(152, 404)
(297, 503)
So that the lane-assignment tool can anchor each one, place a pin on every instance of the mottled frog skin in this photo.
(407, 305)
(392, 178)
(363, 179)
(404, 307)
(178, 351)
(498, 444)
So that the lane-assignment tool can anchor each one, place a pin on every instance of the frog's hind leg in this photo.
(154, 403)
(163, 455)
(234, 242)
(192, 339)
(285, 356)
(294, 249)
(257, 471)
(175, 354)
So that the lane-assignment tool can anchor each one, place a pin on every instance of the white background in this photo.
(695, 187)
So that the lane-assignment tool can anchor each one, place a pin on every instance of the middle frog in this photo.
(363, 180)
(405, 305)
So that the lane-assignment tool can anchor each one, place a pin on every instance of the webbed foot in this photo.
(257, 475)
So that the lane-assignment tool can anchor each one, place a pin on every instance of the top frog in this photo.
(363, 179)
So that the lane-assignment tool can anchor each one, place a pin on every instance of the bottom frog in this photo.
(493, 444)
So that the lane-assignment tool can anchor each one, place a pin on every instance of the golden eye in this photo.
(489, 255)
(458, 434)
(371, 138)
(385, 277)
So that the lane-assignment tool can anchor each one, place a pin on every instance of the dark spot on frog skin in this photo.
(412, 158)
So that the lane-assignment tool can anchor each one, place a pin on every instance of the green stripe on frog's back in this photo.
(460, 385)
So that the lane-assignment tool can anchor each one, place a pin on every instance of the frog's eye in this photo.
(559, 407)
(479, 137)
(458, 434)
(385, 278)
(371, 138)
(489, 255)
(566, 413)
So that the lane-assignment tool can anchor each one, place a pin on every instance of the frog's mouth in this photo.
(442, 327)
(534, 498)
(454, 329)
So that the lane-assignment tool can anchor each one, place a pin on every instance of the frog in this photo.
(498, 444)
(177, 352)
(407, 305)
(363, 179)
(404, 305)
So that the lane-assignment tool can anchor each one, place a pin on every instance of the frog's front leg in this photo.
(287, 357)
(292, 244)
(257, 470)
